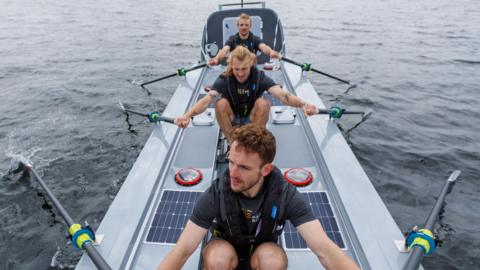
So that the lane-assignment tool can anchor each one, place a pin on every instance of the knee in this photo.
(262, 104)
(219, 254)
(269, 256)
(222, 105)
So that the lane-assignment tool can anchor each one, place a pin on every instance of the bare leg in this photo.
(224, 117)
(269, 256)
(219, 254)
(260, 111)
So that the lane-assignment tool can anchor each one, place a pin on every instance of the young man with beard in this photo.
(243, 38)
(246, 209)
(238, 95)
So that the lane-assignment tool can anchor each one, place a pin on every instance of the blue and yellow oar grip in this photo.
(80, 235)
(422, 238)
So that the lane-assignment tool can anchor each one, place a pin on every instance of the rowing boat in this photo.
(176, 165)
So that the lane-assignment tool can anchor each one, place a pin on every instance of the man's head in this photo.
(250, 159)
(244, 24)
(240, 61)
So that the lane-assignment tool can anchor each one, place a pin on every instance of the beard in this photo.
(243, 186)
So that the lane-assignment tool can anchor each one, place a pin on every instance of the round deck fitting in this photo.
(299, 177)
(188, 176)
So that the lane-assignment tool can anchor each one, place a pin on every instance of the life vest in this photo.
(242, 103)
(248, 43)
(232, 225)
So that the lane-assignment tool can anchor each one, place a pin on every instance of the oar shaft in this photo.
(137, 113)
(159, 79)
(353, 112)
(174, 74)
(94, 255)
(416, 255)
(330, 76)
(432, 218)
(324, 111)
(52, 198)
(316, 70)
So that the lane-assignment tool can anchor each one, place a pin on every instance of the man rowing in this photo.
(244, 37)
(246, 209)
(238, 95)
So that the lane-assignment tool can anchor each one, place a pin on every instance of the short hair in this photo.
(254, 138)
(242, 54)
(244, 16)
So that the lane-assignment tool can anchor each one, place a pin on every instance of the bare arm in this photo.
(269, 51)
(189, 240)
(198, 108)
(220, 55)
(329, 254)
(287, 98)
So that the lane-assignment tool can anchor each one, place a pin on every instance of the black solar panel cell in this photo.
(171, 215)
(322, 210)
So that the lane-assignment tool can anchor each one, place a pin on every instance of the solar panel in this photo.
(171, 216)
(322, 210)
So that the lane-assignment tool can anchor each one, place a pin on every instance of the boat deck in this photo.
(148, 214)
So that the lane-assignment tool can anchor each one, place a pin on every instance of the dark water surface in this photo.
(65, 65)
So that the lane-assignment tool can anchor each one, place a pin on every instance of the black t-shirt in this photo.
(240, 94)
(252, 43)
(207, 208)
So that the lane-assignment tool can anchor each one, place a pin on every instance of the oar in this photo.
(308, 67)
(179, 72)
(421, 242)
(337, 112)
(365, 116)
(82, 237)
(152, 117)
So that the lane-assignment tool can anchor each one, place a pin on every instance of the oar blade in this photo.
(453, 177)
(122, 106)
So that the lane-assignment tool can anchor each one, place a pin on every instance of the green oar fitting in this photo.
(335, 112)
(181, 72)
(81, 235)
(154, 117)
(306, 67)
(422, 238)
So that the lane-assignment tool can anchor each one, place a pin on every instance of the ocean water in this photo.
(65, 65)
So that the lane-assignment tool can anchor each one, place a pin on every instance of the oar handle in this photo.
(166, 119)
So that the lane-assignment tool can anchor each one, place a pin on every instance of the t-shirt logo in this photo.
(250, 216)
(241, 92)
(247, 213)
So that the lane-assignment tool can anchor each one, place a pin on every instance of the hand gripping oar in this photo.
(308, 67)
(421, 242)
(179, 72)
(152, 117)
(82, 237)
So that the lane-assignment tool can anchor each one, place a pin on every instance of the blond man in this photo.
(244, 37)
(238, 95)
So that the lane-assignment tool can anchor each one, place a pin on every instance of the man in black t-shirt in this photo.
(243, 38)
(238, 94)
(246, 209)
